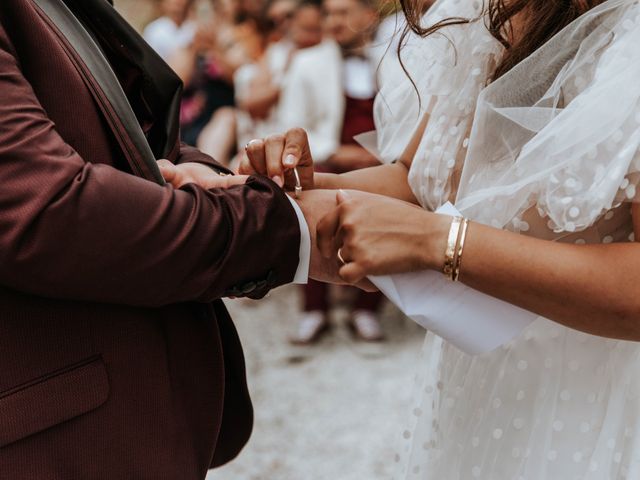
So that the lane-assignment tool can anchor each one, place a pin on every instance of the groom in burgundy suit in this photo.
(117, 361)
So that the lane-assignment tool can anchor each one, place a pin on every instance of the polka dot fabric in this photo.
(553, 404)
(549, 150)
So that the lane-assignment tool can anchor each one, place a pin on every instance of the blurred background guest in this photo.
(173, 30)
(329, 91)
(229, 35)
(295, 26)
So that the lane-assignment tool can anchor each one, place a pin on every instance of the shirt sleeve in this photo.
(302, 272)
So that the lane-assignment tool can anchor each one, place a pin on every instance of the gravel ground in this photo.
(328, 412)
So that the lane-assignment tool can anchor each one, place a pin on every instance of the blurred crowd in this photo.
(252, 68)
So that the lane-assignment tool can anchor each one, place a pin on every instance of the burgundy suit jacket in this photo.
(117, 361)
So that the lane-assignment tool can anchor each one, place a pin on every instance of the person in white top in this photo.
(259, 85)
(174, 30)
(526, 115)
(337, 81)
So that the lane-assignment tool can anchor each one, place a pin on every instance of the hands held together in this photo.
(372, 234)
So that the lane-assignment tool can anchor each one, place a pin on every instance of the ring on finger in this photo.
(246, 147)
(340, 257)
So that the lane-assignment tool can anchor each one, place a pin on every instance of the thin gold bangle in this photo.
(450, 252)
(460, 248)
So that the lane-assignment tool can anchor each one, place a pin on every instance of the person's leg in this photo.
(364, 319)
(369, 301)
(313, 320)
(218, 138)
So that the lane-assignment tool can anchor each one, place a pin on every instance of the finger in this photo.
(352, 273)
(296, 145)
(366, 285)
(233, 180)
(255, 153)
(167, 169)
(273, 147)
(245, 167)
(170, 173)
(220, 181)
(326, 230)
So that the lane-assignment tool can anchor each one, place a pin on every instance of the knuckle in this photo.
(275, 138)
(298, 132)
(344, 209)
(366, 262)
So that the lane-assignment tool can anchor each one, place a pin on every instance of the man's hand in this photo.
(277, 155)
(198, 173)
(315, 205)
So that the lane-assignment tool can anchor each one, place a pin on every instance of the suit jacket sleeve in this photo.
(76, 228)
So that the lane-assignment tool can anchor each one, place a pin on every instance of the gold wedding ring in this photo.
(340, 256)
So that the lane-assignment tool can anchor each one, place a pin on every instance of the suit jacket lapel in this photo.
(104, 86)
(156, 90)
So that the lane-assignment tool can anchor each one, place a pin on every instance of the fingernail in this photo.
(278, 180)
(344, 194)
(290, 160)
(246, 147)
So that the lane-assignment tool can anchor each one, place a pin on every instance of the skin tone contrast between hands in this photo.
(386, 232)
(314, 204)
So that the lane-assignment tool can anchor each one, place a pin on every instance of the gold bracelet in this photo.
(450, 252)
(460, 249)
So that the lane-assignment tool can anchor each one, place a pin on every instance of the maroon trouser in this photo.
(358, 119)
(316, 298)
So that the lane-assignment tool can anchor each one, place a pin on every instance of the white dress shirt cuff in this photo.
(302, 273)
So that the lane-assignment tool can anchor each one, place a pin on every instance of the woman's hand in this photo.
(315, 205)
(198, 173)
(277, 155)
(378, 235)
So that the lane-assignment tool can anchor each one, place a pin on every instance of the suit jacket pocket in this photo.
(52, 399)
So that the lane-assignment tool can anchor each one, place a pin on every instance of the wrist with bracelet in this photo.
(455, 248)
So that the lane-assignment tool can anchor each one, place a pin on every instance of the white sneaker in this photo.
(365, 325)
(310, 328)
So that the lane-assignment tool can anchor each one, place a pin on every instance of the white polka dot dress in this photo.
(555, 403)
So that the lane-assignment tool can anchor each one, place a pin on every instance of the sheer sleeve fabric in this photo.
(560, 133)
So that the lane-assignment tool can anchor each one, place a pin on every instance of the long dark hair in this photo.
(542, 20)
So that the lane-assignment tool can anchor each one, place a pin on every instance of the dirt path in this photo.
(331, 412)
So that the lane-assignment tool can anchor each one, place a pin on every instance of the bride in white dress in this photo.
(554, 153)
(543, 156)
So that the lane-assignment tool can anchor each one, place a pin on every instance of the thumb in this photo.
(168, 170)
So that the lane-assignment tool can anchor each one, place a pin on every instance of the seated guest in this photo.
(329, 91)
